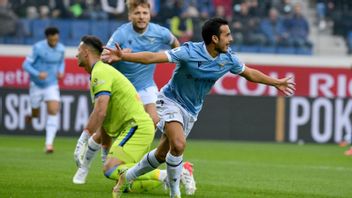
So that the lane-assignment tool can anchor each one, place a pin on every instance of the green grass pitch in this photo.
(222, 169)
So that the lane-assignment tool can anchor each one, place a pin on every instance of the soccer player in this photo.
(45, 66)
(198, 66)
(142, 35)
(118, 113)
(137, 35)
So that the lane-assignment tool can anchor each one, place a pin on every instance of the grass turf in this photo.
(222, 169)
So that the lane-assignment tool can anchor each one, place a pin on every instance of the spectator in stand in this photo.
(167, 11)
(298, 29)
(245, 28)
(44, 12)
(182, 26)
(19, 7)
(321, 7)
(274, 29)
(202, 10)
(77, 8)
(266, 5)
(228, 7)
(58, 9)
(220, 12)
(285, 8)
(255, 10)
(325, 10)
(8, 19)
(95, 11)
(114, 8)
(155, 7)
(205, 8)
(31, 13)
(33, 8)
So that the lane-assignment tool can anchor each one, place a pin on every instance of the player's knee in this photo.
(178, 147)
(161, 155)
(53, 108)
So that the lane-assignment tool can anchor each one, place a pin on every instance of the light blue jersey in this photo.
(195, 74)
(45, 59)
(152, 40)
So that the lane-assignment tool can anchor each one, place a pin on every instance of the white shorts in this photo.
(169, 111)
(148, 95)
(38, 94)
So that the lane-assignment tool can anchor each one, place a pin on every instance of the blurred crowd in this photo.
(337, 12)
(253, 22)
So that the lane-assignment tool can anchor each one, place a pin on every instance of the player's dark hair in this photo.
(51, 31)
(93, 42)
(212, 27)
(132, 4)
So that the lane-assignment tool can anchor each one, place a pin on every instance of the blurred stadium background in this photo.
(311, 40)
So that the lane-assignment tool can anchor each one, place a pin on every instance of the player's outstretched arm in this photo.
(285, 85)
(111, 55)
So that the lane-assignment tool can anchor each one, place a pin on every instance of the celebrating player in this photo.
(198, 66)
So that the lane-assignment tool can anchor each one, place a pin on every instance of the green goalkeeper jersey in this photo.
(125, 107)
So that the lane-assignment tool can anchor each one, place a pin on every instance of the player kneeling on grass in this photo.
(118, 113)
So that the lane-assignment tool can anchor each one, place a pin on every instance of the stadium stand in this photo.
(255, 30)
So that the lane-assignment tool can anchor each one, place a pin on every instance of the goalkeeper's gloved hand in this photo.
(79, 152)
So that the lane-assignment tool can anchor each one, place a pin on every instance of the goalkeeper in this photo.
(118, 113)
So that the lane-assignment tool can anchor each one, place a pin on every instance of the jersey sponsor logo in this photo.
(97, 82)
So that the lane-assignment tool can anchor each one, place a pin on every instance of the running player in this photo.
(45, 66)
(198, 66)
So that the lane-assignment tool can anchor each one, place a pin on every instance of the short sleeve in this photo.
(178, 54)
(101, 82)
(238, 65)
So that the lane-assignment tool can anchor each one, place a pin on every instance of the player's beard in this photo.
(219, 50)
